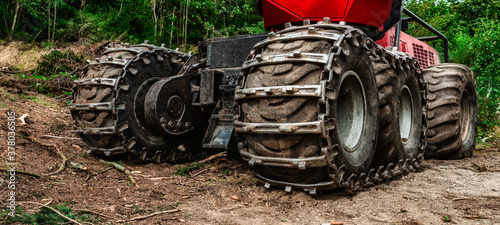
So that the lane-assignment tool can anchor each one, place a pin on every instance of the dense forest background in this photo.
(472, 26)
(174, 22)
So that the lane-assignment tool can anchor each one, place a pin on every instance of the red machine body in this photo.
(369, 12)
(424, 53)
(373, 13)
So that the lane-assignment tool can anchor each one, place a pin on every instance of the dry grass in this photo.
(19, 55)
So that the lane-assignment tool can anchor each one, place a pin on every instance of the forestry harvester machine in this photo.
(334, 95)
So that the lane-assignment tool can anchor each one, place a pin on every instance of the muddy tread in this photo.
(130, 66)
(387, 84)
(306, 109)
(391, 79)
(285, 110)
(446, 84)
(312, 161)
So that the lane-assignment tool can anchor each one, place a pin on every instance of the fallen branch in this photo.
(218, 155)
(50, 136)
(91, 175)
(200, 172)
(24, 172)
(46, 204)
(123, 169)
(96, 213)
(23, 71)
(65, 98)
(476, 217)
(59, 213)
(150, 215)
(106, 170)
(62, 167)
(157, 178)
(22, 119)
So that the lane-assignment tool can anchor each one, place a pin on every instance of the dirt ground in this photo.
(224, 191)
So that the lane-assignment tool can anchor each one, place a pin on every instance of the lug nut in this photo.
(171, 124)
(179, 125)
(188, 124)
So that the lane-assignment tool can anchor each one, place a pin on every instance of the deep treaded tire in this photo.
(400, 98)
(108, 101)
(353, 109)
(452, 111)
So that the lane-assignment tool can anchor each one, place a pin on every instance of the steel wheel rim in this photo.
(465, 117)
(405, 114)
(351, 109)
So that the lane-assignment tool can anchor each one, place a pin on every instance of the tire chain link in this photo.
(127, 70)
(397, 60)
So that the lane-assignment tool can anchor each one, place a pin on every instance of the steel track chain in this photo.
(114, 107)
(347, 36)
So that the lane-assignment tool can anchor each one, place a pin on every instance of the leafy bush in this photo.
(47, 216)
(473, 28)
(58, 62)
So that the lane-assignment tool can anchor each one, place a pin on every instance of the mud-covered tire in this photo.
(452, 111)
(289, 110)
(387, 84)
(108, 101)
(354, 85)
(410, 116)
(400, 98)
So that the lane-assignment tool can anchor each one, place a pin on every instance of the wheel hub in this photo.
(167, 105)
(405, 114)
(351, 110)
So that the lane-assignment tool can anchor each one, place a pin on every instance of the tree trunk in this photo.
(186, 25)
(16, 15)
(155, 17)
(120, 11)
(173, 27)
(180, 25)
(48, 16)
(54, 21)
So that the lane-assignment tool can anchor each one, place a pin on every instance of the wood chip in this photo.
(234, 197)
(22, 119)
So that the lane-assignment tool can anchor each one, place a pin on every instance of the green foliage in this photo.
(176, 22)
(46, 216)
(473, 28)
(184, 171)
(28, 97)
(57, 62)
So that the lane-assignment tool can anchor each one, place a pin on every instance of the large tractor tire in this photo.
(108, 101)
(400, 97)
(452, 111)
(308, 108)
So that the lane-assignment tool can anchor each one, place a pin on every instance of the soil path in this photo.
(224, 191)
